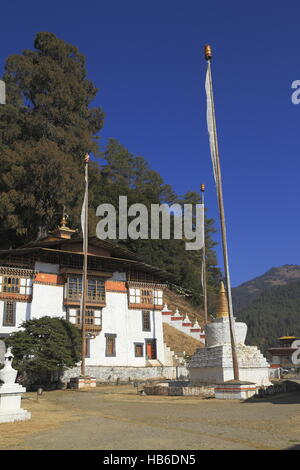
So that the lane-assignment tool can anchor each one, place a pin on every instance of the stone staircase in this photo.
(172, 358)
(153, 363)
(182, 323)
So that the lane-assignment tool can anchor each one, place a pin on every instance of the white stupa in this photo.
(213, 364)
(10, 393)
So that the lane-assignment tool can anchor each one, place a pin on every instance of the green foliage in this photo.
(43, 346)
(274, 312)
(46, 127)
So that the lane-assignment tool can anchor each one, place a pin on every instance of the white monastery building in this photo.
(125, 299)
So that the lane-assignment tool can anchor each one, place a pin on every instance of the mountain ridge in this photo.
(270, 305)
(275, 276)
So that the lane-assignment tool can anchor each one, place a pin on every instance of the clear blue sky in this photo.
(146, 57)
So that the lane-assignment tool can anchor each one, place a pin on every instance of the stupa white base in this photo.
(214, 365)
(10, 404)
(235, 390)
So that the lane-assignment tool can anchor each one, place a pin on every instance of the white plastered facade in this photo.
(116, 318)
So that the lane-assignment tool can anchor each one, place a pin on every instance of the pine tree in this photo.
(46, 127)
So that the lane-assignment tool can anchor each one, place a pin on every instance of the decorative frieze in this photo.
(146, 285)
(18, 272)
(15, 297)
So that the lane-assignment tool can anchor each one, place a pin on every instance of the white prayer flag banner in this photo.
(2, 92)
(84, 228)
(83, 216)
(210, 123)
(83, 210)
(84, 205)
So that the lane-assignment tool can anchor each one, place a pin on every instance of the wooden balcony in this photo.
(91, 300)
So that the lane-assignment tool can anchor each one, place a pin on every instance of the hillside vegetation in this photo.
(270, 305)
(277, 276)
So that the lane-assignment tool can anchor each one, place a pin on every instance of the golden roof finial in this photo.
(63, 222)
(222, 310)
(207, 52)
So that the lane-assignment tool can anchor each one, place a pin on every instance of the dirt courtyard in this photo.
(117, 418)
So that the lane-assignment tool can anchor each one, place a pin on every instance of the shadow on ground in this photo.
(288, 398)
(295, 447)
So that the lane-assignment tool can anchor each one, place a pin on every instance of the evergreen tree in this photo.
(272, 313)
(46, 127)
(44, 345)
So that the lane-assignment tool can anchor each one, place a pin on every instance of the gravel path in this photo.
(117, 418)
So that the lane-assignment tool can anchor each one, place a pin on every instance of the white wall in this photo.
(47, 300)
(127, 326)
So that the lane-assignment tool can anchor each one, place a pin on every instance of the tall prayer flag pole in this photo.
(204, 283)
(85, 237)
(212, 130)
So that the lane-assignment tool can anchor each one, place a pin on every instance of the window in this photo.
(110, 349)
(158, 297)
(9, 314)
(78, 317)
(74, 287)
(90, 317)
(141, 296)
(95, 291)
(146, 320)
(138, 349)
(134, 296)
(11, 284)
(147, 296)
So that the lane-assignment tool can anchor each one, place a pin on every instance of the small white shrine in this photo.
(213, 364)
(10, 393)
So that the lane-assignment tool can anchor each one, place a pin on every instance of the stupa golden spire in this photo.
(223, 309)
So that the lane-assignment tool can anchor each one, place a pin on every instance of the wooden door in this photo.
(151, 349)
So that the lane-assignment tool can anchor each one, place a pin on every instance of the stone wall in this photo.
(120, 374)
(170, 389)
(284, 386)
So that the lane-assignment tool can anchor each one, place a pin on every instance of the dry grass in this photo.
(178, 341)
(45, 416)
(175, 301)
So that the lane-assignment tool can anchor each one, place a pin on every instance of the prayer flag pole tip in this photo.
(207, 52)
